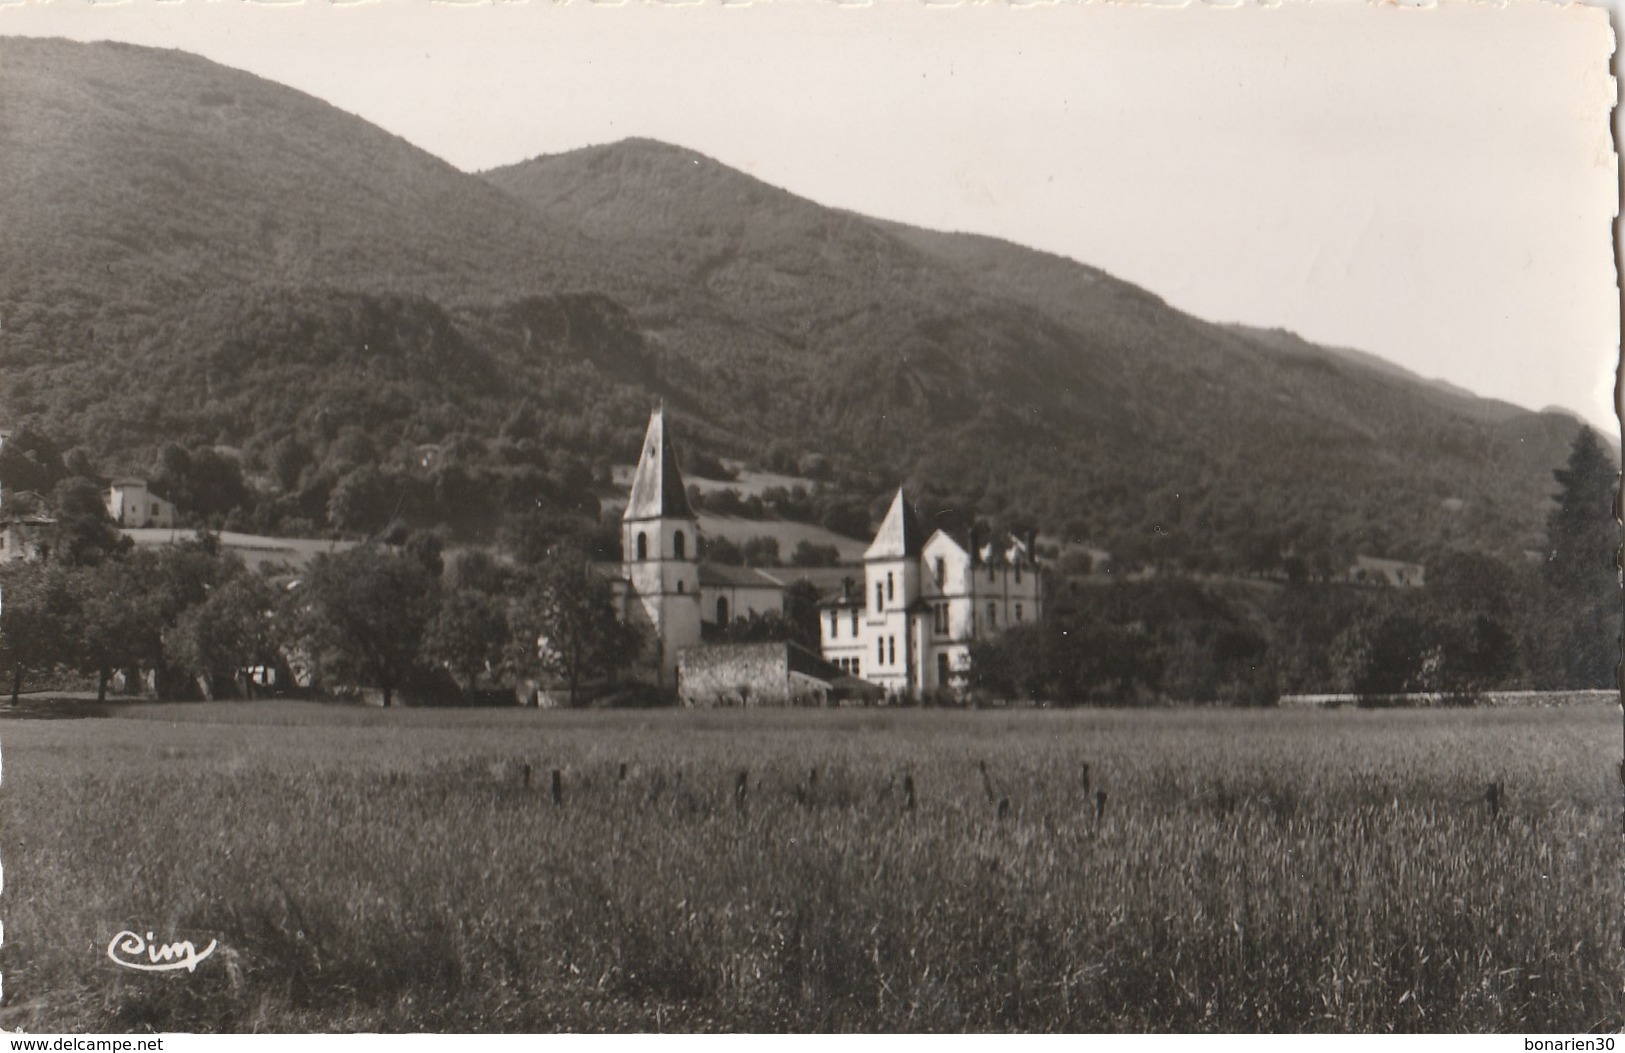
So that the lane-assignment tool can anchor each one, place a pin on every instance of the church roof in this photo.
(901, 533)
(657, 488)
(723, 575)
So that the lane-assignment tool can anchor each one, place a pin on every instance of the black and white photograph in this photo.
(802, 517)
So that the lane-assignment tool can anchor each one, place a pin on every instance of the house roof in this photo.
(128, 480)
(1379, 563)
(901, 533)
(657, 488)
(809, 663)
(840, 599)
(721, 574)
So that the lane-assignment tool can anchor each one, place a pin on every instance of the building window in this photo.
(942, 571)
(992, 576)
(891, 650)
(679, 545)
(1018, 612)
(1018, 576)
(854, 623)
(834, 626)
(643, 546)
(942, 667)
(880, 652)
(992, 615)
(856, 669)
(890, 592)
(681, 587)
(722, 610)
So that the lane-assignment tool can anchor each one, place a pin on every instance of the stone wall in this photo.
(756, 674)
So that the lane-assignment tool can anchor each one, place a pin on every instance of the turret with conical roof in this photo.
(892, 570)
(901, 533)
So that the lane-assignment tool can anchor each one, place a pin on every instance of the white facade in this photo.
(924, 601)
(131, 504)
(730, 594)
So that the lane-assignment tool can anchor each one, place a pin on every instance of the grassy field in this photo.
(377, 870)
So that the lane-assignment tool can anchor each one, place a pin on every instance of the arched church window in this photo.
(680, 545)
(643, 546)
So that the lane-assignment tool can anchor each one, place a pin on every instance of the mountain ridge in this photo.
(251, 267)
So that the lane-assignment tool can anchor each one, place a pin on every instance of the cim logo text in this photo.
(132, 951)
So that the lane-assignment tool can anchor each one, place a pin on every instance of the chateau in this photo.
(925, 600)
(908, 630)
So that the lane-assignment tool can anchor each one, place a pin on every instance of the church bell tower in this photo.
(660, 540)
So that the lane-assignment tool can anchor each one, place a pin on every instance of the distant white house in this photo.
(1369, 570)
(22, 535)
(131, 504)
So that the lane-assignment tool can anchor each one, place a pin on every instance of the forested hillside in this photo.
(195, 259)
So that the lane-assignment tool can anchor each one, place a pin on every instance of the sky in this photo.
(1435, 185)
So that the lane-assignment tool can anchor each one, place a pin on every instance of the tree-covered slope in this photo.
(192, 254)
(1000, 375)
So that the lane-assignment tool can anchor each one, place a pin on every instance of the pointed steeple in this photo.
(901, 533)
(657, 488)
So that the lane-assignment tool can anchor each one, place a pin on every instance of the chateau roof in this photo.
(657, 488)
(900, 533)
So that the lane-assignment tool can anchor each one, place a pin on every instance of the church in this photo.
(664, 587)
(908, 630)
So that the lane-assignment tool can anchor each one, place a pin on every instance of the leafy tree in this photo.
(200, 481)
(364, 501)
(760, 551)
(469, 634)
(119, 621)
(801, 612)
(85, 534)
(721, 550)
(1469, 583)
(1581, 572)
(426, 547)
(232, 630)
(477, 570)
(288, 460)
(807, 554)
(565, 623)
(38, 620)
(532, 536)
(1480, 654)
(1417, 649)
(29, 460)
(365, 612)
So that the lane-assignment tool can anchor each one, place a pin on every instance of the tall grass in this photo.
(369, 870)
